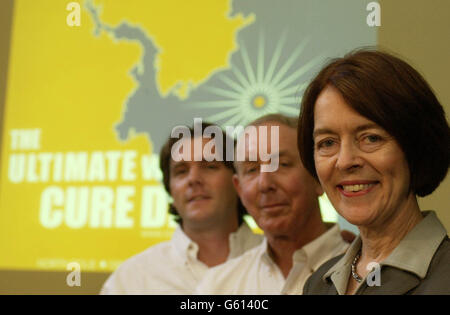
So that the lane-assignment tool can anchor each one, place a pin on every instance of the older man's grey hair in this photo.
(291, 122)
(275, 118)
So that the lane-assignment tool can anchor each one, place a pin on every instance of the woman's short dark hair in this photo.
(389, 92)
(164, 163)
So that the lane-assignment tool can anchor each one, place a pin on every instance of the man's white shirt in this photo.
(172, 267)
(255, 272)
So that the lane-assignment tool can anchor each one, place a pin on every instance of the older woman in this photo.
(374, 134)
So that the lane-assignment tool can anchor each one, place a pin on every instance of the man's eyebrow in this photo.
(321, 131)
(214, 161)
(176, 164)
(248, 162)
(282, 153)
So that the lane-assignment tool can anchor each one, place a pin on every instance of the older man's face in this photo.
(281, 201)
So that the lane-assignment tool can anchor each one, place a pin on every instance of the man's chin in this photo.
(274, 226)
(198, 203)
(198, 211)
(273, 211)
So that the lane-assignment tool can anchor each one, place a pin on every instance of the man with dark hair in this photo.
(211, 228)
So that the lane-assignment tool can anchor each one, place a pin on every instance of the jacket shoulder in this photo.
(437, 280)
(316, 285)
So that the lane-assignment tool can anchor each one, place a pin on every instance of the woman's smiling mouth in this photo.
(355, 189)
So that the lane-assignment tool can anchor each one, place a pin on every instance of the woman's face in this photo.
(360, 166)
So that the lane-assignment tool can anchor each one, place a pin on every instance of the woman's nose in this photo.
(348, 157)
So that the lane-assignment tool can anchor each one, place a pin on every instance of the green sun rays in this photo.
(251, 92)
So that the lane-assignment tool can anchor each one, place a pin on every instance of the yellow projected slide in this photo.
(71, 189)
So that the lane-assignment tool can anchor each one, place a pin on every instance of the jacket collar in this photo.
(410, 260)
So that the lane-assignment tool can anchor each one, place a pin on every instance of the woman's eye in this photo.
(372, 142)
(326, 143)
(373, 138)
(327, 147)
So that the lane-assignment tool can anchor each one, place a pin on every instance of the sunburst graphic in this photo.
(252, 93)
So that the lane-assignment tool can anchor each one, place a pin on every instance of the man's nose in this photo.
(195, 176)
(266, 181)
